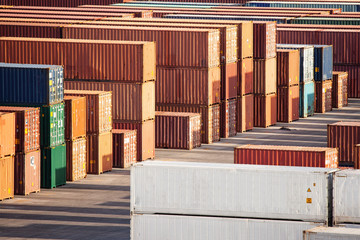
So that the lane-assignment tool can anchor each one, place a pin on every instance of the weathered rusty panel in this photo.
(228, 118)
(177, 130)
(210, 118)
(288, 67)
(344, 136)
(75, 117)
(188, 85)
(265, 76)
(265, 109)
(245, 113)
(124, 147)
(14, 29)
(353, 79)
(27, 172)
(99, 153)
(7, 134)
(286, 156)
(340, 89)
(75, 159)
(130, 101)
(6, 178)
(357, 156)
(323, 96)
(229, 80)
(246, 76)
(288, 104)
(145, 137)
(27, 123)
(264, 40)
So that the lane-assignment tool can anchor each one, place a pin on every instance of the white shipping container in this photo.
(250, 191)
(347, 197)
(332, 233)
(161, 227)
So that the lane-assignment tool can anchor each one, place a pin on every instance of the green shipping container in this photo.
(53, 166)
(52, 129)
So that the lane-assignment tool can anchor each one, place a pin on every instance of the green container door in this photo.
(52, 125)
(53, 166)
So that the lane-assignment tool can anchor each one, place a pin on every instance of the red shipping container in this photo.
(27, 173)
(323, 96)
(245, 113)
(27, 133)
(124, 147)
(145, 137)
(353, 79)
(264, 40)
(228, 118)
(177, 130)
(288, 104)
(340, 89)
(7, 134)
(357, 156)
(40, 30)
(76, 159)
(265, 110)
(344, 136)
(62, 3)
(286, 156)
(229, 80)
(246, 76)
(75, 117)
(210, 118)
(288, 67)
(265, 76)
(99, 155)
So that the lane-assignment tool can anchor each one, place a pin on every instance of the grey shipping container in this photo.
(323, 62)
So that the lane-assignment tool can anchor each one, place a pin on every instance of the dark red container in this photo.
(99, 157)
(40, 30)
(246, 76)
(264, 40)
(177, 130)
(229, 80)
(323, 96)
(288, 104)
(228, 118)
(340, 89)
(57, 3)
(357, 156)
(353, 79)
(245, 113)
(124, 147)
(265, 109)
(288, 67)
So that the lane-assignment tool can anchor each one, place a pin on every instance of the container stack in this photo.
(124, 147)
(340, 89)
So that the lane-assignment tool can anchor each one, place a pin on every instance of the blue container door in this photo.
(327, 63)
(307, 99)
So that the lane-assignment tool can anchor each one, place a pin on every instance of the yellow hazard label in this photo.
(309, 190)
(109, 119)
(84, 165)
(51, 114)
(308, 200)
(32, 184)
(243, 65)
(316, 69)
(50, 82)
(290, 92)
(51, 126)
(9, 190)
(26, 131)
(152, 73)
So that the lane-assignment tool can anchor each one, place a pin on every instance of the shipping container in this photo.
(177, 130)
(75, 117)
(245, 113)
(323, 62)
(229, 80)
(29, 29)
(286, 156)
(228, 118)
(323, 96)
(210, 118)
(56, 3)
(124, 147)
(288, 67)
(353, 87)
(52, 125)
(7, 134)
(252, 191)
(6, 177)
(265, 76)
(160, 226)
(99, 155)
(48, 16)
(339, 89)
(27, 132)
(357, 156)
(344, 136)
(246, 76)
(264, 40)
(331, 233)
(75, 159)
(307, 99)
(53, 166)
(98, 107)
(288, 104)
(83, 59)
(265, 110)
(145, 139)
(29, 84)
(27, 172)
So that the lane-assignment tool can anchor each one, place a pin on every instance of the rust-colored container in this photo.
(6, 177)
(130, 101)
(264, 40)
(75, 117)
(187, 85)
(229, 80)
(124, 147)
(49, 16)
(246, 76)
(245, 113)
(228, 118)
(177, 130)
(265, 109)
(323, 96)
(344, 136)
(7, 134)
(27, 123)
(18, 29)
(357, 156)
(98, 109)
(99, 155)
(210, 118)
(145, 137)
(288, 103)
(27, 172)
(353, 88)
(288, 67)
(76, 159)
(84, 59)
(340, 89)
(265, 76)
(286, 156)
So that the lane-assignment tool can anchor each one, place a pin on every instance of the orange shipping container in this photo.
(288, 67)
(6, 178)
(245, 113)
(27, 172)
(7, 134)
(99, 154)
(246, 76)
(323, 96)
(288, 104)
(264, 40)
(75, 117)
(265, 76)
(76, 159)
(124, 147)
(357, 156)
(228, 118)
(229, 80)
(339, 89)
(265, 110)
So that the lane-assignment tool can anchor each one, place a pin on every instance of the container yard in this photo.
(179, 119)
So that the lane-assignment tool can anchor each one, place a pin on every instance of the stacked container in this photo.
(265, 99)
(340, 89)
(124, 148)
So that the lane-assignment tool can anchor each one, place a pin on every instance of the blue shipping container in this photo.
(31, 84)
(307, 99)
(323, 62)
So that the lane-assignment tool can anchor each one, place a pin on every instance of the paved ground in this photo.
(98, 206)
